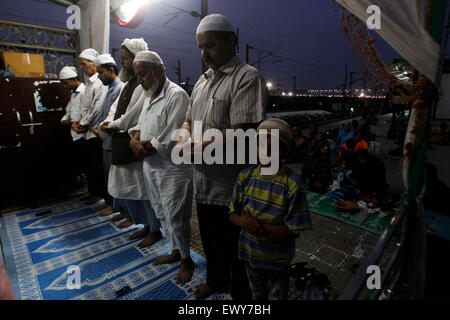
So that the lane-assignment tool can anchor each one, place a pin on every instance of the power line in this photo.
(152, 36)
(162, 47)
(277, 46)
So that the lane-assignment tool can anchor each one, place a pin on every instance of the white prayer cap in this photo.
(135, 45)
(148, 56)
(215, 22)
(104, 59)
(68, 73)
(285, 130)
(89, 54)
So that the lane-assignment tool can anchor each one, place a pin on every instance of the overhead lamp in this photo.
(129, 13)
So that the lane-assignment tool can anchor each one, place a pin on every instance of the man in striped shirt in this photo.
(230, 95)
(271, 210)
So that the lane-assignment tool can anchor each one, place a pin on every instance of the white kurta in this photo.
(169, 186)
(126, 181)
(91, 106)
(73, 110)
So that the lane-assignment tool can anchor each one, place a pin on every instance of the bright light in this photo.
(361, 95)
(269, 85)
(352, 110)
(128, 10)
(283, 93)
(291, 94)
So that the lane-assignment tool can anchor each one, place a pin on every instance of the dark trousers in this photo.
(95, 172)
(78, 157)
(220, 241)
(107, 158)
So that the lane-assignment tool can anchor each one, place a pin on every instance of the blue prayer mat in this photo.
(46, 255)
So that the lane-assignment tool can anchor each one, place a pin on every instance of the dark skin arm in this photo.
(253, 226)
(95, 131)
(105, 128)
(138, 146)
(67, 123)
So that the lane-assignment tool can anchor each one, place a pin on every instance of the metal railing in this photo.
(59, 46)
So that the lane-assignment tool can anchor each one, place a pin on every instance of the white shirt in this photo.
(162, 116)
(130, 118)
(92, 104)
(126, 181)
(73, 108)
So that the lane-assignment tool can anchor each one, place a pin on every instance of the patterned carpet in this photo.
(39, 250)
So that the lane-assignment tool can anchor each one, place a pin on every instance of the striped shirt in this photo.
(234, 94)
(91, 104)
(277, 199)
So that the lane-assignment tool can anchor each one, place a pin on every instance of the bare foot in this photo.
(141, 233)
(92, 200)
(171, 258)
(101, 207)
(109, 210)
(186, 270)
(203, 291)
(125, 223)
(118, 217)
(151, 239)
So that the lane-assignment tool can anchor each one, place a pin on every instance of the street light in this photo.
(269, 85)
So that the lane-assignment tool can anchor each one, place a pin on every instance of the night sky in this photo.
(305, 35)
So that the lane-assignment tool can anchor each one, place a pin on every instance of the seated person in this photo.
(317, 166)
(347, 150)
(343, 177)
(344, 135)
(370, 173)
(361, 143)
(298, 149)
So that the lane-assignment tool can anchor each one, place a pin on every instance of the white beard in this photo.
(123, 75)
(149, 93)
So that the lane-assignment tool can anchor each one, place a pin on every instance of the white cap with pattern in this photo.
(215, 22)
(104, 59)
(68, 73)
(89, 54)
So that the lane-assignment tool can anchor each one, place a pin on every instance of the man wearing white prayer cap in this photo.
(128, 50)
(169, 186)
(84, 121)
(230, 95)
(69, 78)
(126, 181)
(108, 74)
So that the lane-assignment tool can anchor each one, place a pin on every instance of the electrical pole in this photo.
(295, 84)
(259, 61)
(178, 71)
(237, 40)
(345, 81)
(247, 49)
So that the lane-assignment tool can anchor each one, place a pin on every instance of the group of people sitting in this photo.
(127, 126)
(356, 173)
